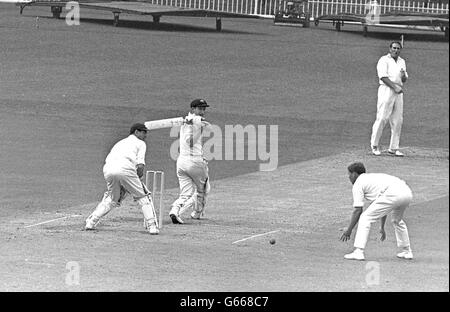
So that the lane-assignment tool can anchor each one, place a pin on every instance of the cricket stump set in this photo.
(151, 182)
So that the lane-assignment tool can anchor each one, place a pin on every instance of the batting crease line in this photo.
(51, 221)
(39, 263)
(241, 240)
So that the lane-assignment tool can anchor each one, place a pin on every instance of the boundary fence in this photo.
(267, 8)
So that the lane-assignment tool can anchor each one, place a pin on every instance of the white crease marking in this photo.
(253, 236)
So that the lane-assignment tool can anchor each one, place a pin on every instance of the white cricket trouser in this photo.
(389, 107)
(119, 179)
(193, 177)
(120, 182)
(396, 199)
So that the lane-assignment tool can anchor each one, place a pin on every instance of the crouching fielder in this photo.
(386, 194)
(192, 168)
(123, 169)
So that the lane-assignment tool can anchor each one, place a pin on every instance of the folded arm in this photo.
(397, 88)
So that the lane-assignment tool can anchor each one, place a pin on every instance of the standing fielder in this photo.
(192, 168)
(391, 70)
(123, 170)
(386, 194)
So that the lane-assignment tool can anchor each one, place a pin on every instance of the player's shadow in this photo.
(432, 36)
(161, 26)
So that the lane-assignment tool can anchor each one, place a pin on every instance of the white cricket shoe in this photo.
(174, 215)
(196, 215)
(405, 254)
(91, 223)
(175, 219)
(396, 153)
(376, 151)
(153, 229)
(357, 254)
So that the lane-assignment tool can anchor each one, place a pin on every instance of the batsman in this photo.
(192, 168)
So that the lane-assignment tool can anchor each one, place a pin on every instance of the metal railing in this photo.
(329, 7)
(267, 8)
(233, 6)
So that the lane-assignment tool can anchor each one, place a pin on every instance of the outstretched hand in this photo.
(345, 236)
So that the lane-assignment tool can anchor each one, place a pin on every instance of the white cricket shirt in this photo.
(368, 186)
(187, 132)
(127, 153)
(388, 67)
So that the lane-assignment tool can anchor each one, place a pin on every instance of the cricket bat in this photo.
(164, 123)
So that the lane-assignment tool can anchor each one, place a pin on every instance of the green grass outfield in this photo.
(68, 93)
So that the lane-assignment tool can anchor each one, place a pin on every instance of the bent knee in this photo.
(383, 120)
(186, 197)
(398, 121)
(366, 218)
(397, 222)
(143, 201)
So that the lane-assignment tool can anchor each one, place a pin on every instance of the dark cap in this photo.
(138, 126)
(199, 103)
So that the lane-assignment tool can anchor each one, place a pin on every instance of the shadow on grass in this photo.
(161, 26)
(431, 36)
(428, 37)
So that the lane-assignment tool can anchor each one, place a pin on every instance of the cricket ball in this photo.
(272, 241)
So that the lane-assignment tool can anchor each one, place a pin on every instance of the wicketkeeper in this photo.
(123, 170)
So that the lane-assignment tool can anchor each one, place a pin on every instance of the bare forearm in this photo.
(355, 218)
(383, 222)
(388, 82)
